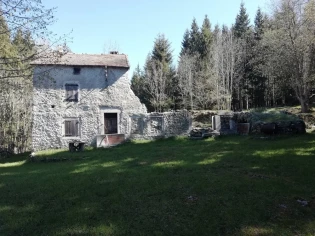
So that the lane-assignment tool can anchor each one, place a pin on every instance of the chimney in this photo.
(113, 52)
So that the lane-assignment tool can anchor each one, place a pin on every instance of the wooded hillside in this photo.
(243, 66)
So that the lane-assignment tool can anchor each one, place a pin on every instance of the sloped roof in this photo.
(71, 59)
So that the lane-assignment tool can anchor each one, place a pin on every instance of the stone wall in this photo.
(99, 92)
(157, 125)
(228, 122)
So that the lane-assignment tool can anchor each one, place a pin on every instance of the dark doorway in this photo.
(110, 122)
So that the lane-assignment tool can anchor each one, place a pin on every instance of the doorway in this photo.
(110, 123)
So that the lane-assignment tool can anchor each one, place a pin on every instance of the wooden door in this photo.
(110, 123)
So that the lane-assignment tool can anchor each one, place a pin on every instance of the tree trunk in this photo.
(304, 106)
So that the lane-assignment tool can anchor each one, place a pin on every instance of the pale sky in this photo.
(134, 24)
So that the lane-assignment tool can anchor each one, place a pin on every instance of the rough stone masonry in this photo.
(82, 96)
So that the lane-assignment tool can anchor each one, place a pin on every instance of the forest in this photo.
(243, 66)
(24, 37)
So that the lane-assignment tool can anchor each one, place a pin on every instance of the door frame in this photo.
(102, 119)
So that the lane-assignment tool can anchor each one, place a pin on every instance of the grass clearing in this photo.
(226, 186)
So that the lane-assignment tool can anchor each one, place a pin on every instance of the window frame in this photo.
(77, 133)
(75, 92)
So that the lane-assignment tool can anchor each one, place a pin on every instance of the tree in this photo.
(241, 25)
(243, 34)
(291, 45)
(205, 38)
(137, 85)
(156, 85)
(28, 19)
(185, 43)
(159, 76)
(162, 51)
(194, 38)
(223, 54)
(187, 72)
(23, 25)
(259, 24)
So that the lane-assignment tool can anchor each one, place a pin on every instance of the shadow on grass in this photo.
(228, 186)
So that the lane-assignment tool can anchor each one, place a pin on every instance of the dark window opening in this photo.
(72, 91)
(76, 70)
(52, 106)
(110, 121)
(71, 128)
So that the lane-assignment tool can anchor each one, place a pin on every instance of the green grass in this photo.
(226, 186)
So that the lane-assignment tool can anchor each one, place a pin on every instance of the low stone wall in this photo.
(257, 126)
(280, 127)
(227, 122)
(158, 125)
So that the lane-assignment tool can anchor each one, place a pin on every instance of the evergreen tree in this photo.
(205, 38)
(244, 36)
(162, 51)
(242, 22)
(259, 25)
(194, 39)
(159, 76)
(137, 85)
(216, 31)
(185, 43)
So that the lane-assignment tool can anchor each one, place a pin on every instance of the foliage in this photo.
(290, 44)
(242, 21)
(225, 186)
(24, 37)
(246, 66)
(154, 86)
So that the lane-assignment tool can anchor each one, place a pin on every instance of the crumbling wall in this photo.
(157, 125)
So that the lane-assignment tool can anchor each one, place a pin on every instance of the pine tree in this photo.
(243, 35)
(205, 38)
(137, 84)
(241, 22)
(259, 25)
(194, 39)
(159, 73)
(162, 50)
(185, 43)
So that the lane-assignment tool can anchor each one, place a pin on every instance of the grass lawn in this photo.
(226, 186)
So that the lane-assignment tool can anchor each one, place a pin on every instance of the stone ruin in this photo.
(158, 125)
(224, 123)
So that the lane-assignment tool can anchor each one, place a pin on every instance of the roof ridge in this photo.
(96, 54)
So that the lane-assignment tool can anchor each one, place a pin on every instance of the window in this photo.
(71, 128)
(76, 70)
(72, 91)
(110, 120)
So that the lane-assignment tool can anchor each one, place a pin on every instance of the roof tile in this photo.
(71, 59)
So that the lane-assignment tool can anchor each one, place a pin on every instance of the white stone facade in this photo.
(101, 90)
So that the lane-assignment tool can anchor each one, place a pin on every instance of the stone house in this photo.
(80, 97)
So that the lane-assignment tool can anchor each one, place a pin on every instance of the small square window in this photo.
(72, 92)
(76, 70)
(71, 128)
